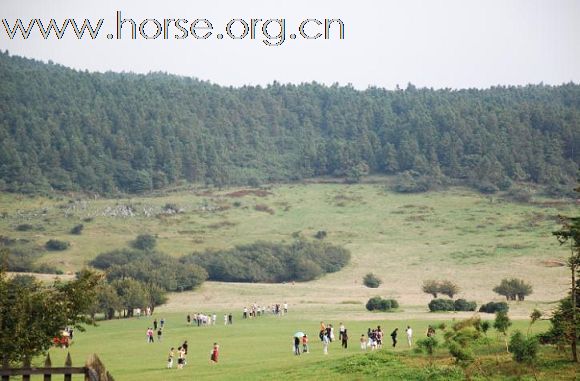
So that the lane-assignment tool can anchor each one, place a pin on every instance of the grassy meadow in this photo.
(261, 349)
(471, 239)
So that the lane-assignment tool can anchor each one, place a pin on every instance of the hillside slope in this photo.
(69, 130)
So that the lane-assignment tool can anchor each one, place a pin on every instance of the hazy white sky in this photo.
(432, 43)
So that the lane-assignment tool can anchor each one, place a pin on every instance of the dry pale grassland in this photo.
(471, 239)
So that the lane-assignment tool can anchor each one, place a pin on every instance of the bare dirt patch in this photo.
(552, 263)
(249, 192)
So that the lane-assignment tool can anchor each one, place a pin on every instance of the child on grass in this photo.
(170, 358)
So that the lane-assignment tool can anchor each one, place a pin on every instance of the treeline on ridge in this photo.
(62, 129)
(271, 262)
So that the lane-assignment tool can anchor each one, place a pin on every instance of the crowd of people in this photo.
(157, 328)
(204, 320)
(255, 310)
(64, 340)
(181, 356)
(372, 340)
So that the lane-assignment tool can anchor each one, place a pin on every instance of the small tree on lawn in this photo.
(484, 327)
(428, 346)
(459, 339)
(534, 317)
(32, 315)
(449, 288)
(431, 287)
(513, 289)
(502, 323)
(524, 350)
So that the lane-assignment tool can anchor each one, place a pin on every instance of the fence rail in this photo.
(94, 370)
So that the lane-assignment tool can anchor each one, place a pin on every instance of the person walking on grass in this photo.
(180, 358)
(150, 335)
(305, 344)
(345, 339)
(409, 332)
(379, 335)
(215, 352)
(296, 346)
(322, 331)
(170, 358)
(363, 342)
(394, 337)
(325, 342)
(184, 346)
(159, 333)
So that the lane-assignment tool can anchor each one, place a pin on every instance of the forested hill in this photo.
(69, 130)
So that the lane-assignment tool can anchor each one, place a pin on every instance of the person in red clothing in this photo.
(304, 344)
(215, 353)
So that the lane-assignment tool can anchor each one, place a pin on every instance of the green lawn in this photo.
(459, 235)
(256, 349)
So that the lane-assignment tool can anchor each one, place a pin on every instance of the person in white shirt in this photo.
(325, 341)
(410, 336)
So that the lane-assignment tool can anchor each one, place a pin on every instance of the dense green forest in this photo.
(64, 129)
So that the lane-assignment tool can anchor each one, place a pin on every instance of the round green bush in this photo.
(56, 245)
(493, 307)
(372, 281)
(441, 305)
(77, 229)
(379, 304)
(464, 305)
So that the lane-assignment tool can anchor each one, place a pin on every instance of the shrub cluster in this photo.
(371, 281)
(144, 242)
(56, 245)
(24, 227)
(412, 182)
(441, 305)
(271, 262)
(464, 305)
(150, 267)
(379, 304)
(77, 229)
(493, 307)
(451, 305)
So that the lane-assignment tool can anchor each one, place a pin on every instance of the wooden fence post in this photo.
(47, 364)
(5, 365)
(26, 365)
(68, 364)
(96, 370)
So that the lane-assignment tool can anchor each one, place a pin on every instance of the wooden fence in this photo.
(94, 370)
